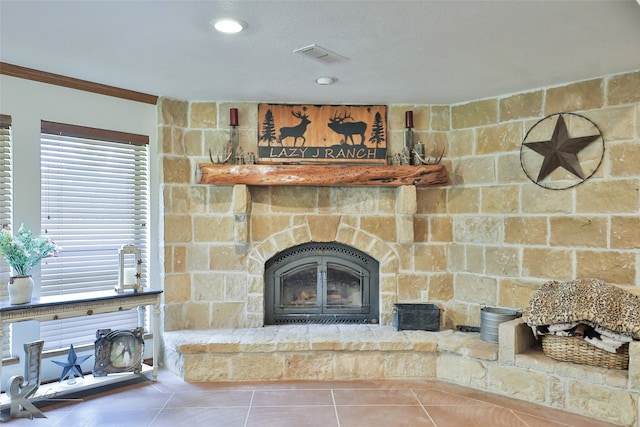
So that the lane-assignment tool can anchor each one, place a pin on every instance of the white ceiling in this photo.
(426, 52)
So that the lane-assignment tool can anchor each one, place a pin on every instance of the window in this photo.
(6, 203)
(94, 196)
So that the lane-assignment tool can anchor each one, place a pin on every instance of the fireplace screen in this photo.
(321, 283)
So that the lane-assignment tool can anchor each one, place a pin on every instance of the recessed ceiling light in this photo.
(228, 25)
(326, 80)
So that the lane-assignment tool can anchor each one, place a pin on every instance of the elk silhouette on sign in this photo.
(295, 131)
(348, 129)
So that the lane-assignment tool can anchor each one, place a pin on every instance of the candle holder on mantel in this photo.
(233, 135)
(408, 133)
(129, 277)
(417, 157)
(230, 152)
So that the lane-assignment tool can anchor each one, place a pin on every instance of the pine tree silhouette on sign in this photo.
(269, 130)
(377, 131)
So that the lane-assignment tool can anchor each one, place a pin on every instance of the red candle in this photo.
(408, 118)
(233, 117)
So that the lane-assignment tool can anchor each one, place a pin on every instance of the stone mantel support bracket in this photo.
(406, 207)
(323, 175)
(241, 201)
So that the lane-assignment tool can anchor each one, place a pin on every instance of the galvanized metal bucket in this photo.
(490, 319)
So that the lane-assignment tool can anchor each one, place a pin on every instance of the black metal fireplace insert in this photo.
(321, 283)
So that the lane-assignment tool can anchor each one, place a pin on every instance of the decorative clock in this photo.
(561, 151)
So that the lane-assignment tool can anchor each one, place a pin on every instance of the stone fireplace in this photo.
(243, 228)
(321, 283)
(373, 226)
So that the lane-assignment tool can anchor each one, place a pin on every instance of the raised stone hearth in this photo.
(516, 367)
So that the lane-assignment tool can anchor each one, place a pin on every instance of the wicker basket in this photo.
(577, 350)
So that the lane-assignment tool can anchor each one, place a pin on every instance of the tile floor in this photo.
(171, 402)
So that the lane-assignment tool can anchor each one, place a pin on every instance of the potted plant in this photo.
(23, 252)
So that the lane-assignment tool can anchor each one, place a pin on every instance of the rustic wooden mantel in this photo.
(323, 175)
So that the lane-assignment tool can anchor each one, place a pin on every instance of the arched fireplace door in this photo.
(321, 283)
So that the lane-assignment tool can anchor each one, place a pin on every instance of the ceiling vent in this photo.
(319, 53)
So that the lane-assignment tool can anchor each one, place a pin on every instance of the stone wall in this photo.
(509, 235)
(492, 237)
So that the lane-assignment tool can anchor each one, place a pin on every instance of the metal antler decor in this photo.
(419, 157)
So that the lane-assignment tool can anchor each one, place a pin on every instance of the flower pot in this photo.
(20, 289)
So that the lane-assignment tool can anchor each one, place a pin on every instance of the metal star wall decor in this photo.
(72, 364)
(561, 151)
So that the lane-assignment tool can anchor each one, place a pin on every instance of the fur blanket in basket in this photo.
(607, 308)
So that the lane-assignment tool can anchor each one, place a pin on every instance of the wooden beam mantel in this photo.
(323, 175)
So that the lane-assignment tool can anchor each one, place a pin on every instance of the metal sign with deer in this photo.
(289, 133)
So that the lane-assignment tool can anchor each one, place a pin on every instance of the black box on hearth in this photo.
(422, 317)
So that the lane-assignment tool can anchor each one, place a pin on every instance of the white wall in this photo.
(28, 102)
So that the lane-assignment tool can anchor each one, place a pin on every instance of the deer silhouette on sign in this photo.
(348, 129)
(295, 131)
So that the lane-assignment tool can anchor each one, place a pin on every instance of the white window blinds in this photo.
(94, 191)
(6, 204)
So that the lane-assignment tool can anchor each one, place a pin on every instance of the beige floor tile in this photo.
(199, 417)
(210, 399)
(387, 416)
(292, 416)
(292, 398)
(387, 397)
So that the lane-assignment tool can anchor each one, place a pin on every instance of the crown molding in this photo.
(73, 83)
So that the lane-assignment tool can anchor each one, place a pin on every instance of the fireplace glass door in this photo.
(320, 288)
